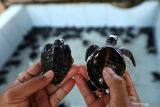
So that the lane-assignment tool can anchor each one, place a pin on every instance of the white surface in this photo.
(14, 23)
(4, 51)
(157, 31)
(93, 14)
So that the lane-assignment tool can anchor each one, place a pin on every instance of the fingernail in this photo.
(107, 75)
(49, 74)
(107, 70)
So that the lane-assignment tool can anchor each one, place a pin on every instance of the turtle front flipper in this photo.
(90, 50)
(127, 53)
(91, 86)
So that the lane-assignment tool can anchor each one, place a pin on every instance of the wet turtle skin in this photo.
(57, 57)
(98, 58)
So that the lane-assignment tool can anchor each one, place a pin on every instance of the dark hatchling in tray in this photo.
(57, 57)
(109, 56)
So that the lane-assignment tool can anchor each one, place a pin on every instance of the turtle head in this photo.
(112, 40)
(59, 42)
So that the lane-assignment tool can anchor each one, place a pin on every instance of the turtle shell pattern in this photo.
(58, 58)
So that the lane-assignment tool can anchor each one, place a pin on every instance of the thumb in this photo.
(117, 87)
(30, 87)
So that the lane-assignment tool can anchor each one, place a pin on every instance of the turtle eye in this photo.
(112, 40)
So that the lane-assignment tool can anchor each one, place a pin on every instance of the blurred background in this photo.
(27, 25)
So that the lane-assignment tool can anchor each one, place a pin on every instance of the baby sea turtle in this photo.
(57, 57)
(109, 56)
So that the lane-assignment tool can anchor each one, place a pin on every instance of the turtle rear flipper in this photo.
(91, 86)
(127, 53)
(90, 50)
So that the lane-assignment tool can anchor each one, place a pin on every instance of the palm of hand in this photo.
(29, 90)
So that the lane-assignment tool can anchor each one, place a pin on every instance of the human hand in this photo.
(122, 91)
(31, 89)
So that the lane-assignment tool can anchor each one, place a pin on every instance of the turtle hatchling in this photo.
(109, 56)
(56, 57)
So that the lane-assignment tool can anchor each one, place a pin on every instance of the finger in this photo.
(99, 94)
(32, 101)
(24, 76)
(51, 89)
(73, 71)
(30, 73)
(83, 71)
(88, 96)
(42, 99)
(117, 87)
(61, 92)
(35, 69)
(105, 98)
(130, 86)
(31, 86)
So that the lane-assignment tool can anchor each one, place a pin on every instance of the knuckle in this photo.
(39, 78)
(38, 82)
(61, 93)
(58, 99)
